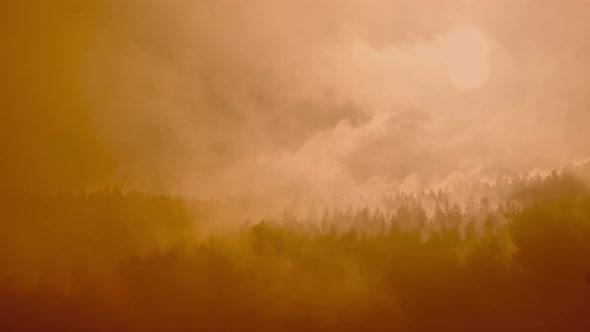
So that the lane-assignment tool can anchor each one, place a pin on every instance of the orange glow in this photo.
(466, 55)
(294, 165)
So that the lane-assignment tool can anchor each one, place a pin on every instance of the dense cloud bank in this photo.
(327, 98)
(317, 99)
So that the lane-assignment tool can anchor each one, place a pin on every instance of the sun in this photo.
(466, 56)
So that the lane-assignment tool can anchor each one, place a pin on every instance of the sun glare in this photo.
(466, 56)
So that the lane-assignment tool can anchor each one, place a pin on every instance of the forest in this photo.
(115, 260)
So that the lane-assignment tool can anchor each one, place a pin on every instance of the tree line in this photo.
(128, 261)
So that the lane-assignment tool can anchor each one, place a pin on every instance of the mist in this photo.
(321, 100)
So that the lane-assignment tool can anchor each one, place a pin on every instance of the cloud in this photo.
(228, 98)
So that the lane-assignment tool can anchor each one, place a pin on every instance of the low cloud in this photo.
(331, 98)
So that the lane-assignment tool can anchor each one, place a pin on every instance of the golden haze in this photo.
(276, 165)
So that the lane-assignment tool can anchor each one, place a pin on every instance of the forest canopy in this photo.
(114, 260)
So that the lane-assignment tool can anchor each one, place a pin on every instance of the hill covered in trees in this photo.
(515, 258)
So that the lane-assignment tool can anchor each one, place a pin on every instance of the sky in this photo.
(324, 99)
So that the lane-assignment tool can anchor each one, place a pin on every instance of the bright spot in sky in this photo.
(466, 56)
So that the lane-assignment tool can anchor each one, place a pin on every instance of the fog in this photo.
(301, 165)
(322, 99)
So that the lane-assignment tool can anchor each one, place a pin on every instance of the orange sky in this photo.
(266, 97)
